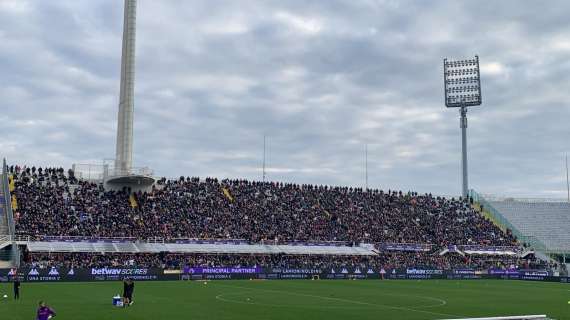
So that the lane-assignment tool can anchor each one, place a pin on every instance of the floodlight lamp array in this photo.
(462, 82)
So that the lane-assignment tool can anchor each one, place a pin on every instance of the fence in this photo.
(100, 172)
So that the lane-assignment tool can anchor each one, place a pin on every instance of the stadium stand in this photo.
(62, 218)
(53, 203)
(541, 225)
(171, 260)
(549, 222)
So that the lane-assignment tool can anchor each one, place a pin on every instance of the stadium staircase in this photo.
(4, 229)
(9, 253)
(133, 201)
(227, 194)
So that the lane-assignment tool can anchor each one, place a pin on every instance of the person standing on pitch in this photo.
(128, 288)
(16, 288)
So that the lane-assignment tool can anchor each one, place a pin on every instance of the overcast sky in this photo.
(320, 78)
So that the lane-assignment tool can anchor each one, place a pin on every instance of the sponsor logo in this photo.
(305, 271)
(370, 271)
(229, 270)
(357, 271)
(536, 273)
(422, 271)
(33, 272)
(117, 272)
(541, 278)
(218, 276)
(463, 271)
(71, 272)
(294, 276)
(344, 270)
(53, 272)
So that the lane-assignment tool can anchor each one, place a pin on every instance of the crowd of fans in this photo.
(52, 202)
(387, 261)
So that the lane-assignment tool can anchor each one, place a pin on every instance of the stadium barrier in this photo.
(199, 273)
(527, 317)
(5, 185)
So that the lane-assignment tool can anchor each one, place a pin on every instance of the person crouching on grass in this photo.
(44, 312)
(128, 288)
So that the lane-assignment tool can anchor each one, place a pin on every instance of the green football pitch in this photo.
(294, 299)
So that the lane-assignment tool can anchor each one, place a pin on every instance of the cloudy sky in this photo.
(320, 78)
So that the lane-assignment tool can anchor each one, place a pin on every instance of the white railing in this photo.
(138, 171)
(197, 247)
(22, 238)
(493, 197)
(44, 238)
(529, 317)
(100, 172)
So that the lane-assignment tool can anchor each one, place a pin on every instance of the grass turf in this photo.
(294, 299)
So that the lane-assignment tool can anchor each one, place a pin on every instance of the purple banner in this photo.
(452, 248)
(85, 239)
(224, 270)
(525, 272)
(541, 273)
(488, 248)
(198, 241)
(503, 271)
(317, 243)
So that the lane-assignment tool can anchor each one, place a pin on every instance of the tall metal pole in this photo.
(124, 149)
(366, 164)
(264, 158)
(567, 182)
(463, 124)
(462, 89)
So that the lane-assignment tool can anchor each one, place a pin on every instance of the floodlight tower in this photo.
(462, 87)
(124, 174)
(124, 149)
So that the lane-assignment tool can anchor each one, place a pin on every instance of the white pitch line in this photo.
(221, 298)
(345, 300)
(442, 302)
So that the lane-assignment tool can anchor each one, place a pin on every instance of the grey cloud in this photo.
(319, 78)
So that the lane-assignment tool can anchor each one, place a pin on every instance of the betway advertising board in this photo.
(91, 274)
(201, 273)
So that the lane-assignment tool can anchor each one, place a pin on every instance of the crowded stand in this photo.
(387, 261)
(52, 202)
